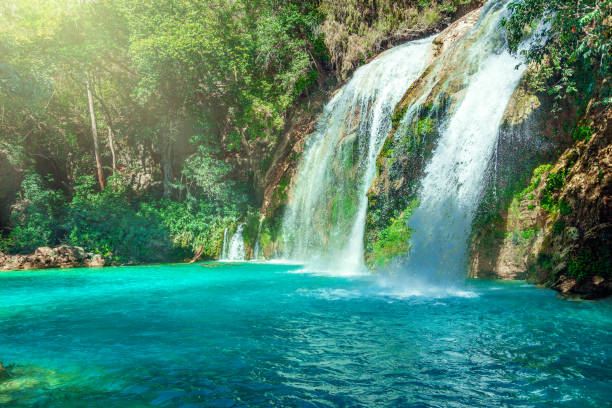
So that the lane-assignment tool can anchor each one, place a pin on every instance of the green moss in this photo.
(398, 115)
(249, 234)
(558, 227)
(394, 240)
(582, 133)
(585, 264)
(529, 234)
(282, 192)
(535, 181)
(554, 183)
(564, 208)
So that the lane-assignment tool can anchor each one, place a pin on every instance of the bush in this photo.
(118, 224)
(36, 216)
(572, 55)
(110, 224)
(554, 183)
(394, 240)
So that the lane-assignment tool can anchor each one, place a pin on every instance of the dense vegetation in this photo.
(572, 49)
(139, 129)
(356, 30)
(172, 105)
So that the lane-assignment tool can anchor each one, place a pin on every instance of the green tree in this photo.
(572, 47)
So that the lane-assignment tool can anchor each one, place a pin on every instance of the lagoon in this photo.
(260, 335)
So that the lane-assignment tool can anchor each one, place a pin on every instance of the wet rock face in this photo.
(63, 256)
(576, 254)
(558, 231)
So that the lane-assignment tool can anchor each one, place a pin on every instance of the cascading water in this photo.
(233, 249)
(454, 177)
(257, 248)
(225, 248)
(324, 221)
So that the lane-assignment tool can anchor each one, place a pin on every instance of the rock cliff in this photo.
(557, 230)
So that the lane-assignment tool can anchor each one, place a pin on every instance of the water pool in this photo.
(237, 335)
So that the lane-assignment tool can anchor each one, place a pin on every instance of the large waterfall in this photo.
(451, 188)
(324, 221)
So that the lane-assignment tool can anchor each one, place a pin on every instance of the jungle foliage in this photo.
(172, 102)
(570, 48)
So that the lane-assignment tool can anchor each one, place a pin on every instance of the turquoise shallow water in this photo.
(265, 335)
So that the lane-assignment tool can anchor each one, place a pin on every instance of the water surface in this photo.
(237, 335)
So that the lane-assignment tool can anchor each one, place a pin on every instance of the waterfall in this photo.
(454, 177)
(225, 248)
(325, 217)
(233, 249)
(257, 248)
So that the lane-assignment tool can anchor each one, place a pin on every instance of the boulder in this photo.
(63, 256)
(94, 261)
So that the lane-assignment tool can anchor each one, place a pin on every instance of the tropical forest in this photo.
(306, 203)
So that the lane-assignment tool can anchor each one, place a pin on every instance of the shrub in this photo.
(110, 224)
(572, 53)
(394, 240)
(36, 216)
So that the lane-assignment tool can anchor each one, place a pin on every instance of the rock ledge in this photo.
(63, 256)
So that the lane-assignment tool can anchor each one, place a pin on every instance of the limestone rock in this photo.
(454, 32)
(63, 256)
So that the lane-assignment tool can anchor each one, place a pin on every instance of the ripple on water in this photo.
(256, 335)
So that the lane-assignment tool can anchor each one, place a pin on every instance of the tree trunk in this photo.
(167, 167)
(94, 132)
(112, 148)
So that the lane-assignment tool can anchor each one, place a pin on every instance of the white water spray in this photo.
(233, 249)
(324, 222)
(454, 178)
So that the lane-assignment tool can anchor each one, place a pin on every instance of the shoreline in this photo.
(68, 257)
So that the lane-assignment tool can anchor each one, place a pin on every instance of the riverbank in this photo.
(63, 256)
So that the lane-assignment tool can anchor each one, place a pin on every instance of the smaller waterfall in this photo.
(257, 249)
(225, 249)
(233, 248)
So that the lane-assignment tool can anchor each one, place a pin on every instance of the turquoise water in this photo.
(266, 335)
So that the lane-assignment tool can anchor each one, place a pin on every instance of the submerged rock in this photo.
(63, 256)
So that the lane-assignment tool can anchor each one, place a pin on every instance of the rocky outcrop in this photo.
(63, 256)
(557, 231)
(576, 252)
(454, 32)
